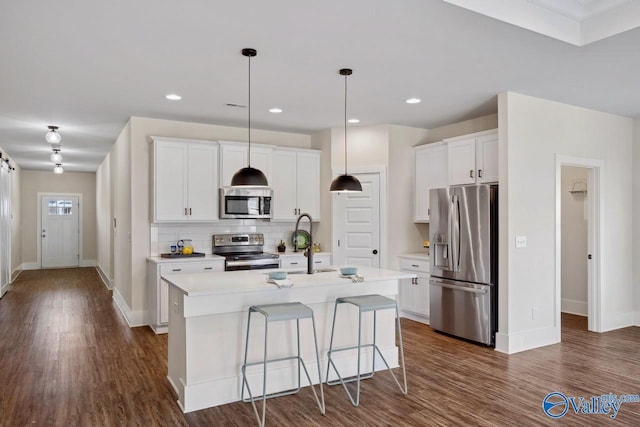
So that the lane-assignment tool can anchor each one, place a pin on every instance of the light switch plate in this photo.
(521, 241)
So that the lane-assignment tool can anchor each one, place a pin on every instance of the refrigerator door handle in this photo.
(454, 232)
(459, 288)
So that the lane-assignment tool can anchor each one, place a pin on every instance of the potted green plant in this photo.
(281, 246)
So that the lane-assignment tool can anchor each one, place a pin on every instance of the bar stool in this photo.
(365, 303)
(277, 313)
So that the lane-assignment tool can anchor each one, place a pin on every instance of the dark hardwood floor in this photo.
(67, 358)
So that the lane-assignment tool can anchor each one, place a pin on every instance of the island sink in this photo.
(318, 270)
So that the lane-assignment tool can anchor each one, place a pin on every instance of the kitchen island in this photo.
(208, 321)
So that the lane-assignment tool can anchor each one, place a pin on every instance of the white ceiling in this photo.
(88, 66)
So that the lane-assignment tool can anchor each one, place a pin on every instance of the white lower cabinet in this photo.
(414, 293)
(300, 261)
(159, 289)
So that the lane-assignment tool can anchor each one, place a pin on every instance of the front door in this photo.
(357, 223)
(60, 231)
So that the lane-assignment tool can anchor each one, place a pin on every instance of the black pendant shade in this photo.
(345, 183)
(249, 177)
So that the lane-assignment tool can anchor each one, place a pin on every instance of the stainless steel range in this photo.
(243, 252)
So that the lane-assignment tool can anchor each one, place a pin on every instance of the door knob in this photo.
(375, 251)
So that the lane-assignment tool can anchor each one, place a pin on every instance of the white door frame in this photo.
(595, 206)
(382, 172)
(39, 235)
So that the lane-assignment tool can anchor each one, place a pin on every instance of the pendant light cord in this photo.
(249, 106)
(345, 124)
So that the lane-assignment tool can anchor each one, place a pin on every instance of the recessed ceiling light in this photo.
(413, 101)
(173, 97)
(354, 120)
(275, 110)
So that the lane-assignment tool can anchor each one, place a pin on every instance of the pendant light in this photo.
(58, 169)
(345, 183)
(249, 177)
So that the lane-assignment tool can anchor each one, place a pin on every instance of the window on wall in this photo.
(60, 207)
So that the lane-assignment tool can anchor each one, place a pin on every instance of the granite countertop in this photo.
(208, 257)
(237, 282)
(421, 256)
(299, 253)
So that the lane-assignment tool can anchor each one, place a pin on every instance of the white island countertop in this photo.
(218, 283)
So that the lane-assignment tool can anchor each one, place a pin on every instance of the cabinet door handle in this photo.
(176, 269)
(293, 263)
(185, 211)
(208, 268)
(428, 211)
(471, 173)
(318, 262)
(415, 265)
(189, 211)
(479, 173)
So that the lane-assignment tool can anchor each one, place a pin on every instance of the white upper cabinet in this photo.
(487, 158)
(185, 180)
(431, 172)
(473, 159)
(295, 183)
(233, 157)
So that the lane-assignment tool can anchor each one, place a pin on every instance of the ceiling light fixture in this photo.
(275, 110)
(345, 183)
(413, 101)
(56, 157)
(173, 97)
(354, 120)
(249, 176)
(53, 137)
(58, 169)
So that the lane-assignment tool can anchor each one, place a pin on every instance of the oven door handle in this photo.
(265, 261)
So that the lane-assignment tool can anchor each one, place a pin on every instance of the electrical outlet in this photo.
(521, 241)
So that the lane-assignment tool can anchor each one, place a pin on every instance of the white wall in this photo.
(532, 132)
(16, 221)
(404, 235)
(574, 240)
(104, 220)
(636, 222)
(324, 229)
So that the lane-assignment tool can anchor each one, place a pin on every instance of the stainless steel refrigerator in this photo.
(464, 261)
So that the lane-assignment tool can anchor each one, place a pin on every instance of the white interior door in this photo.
(60, 231)
(357, 223)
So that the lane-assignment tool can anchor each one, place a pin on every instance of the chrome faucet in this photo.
(309, 251)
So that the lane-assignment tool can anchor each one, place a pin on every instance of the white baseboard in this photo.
(526, 340)
(105, 279)
(88, 263)
(414, 317)
(636, 318)
(617, 320)
(133, 318)
(30, 266)
(4, 289)
(15, 273)
(574, 307)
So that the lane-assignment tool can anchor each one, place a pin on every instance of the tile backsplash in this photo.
(165, 235)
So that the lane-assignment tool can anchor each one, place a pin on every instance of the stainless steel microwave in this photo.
(245, 202)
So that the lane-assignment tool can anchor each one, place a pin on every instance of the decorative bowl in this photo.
(277, 275)
(348, 271)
